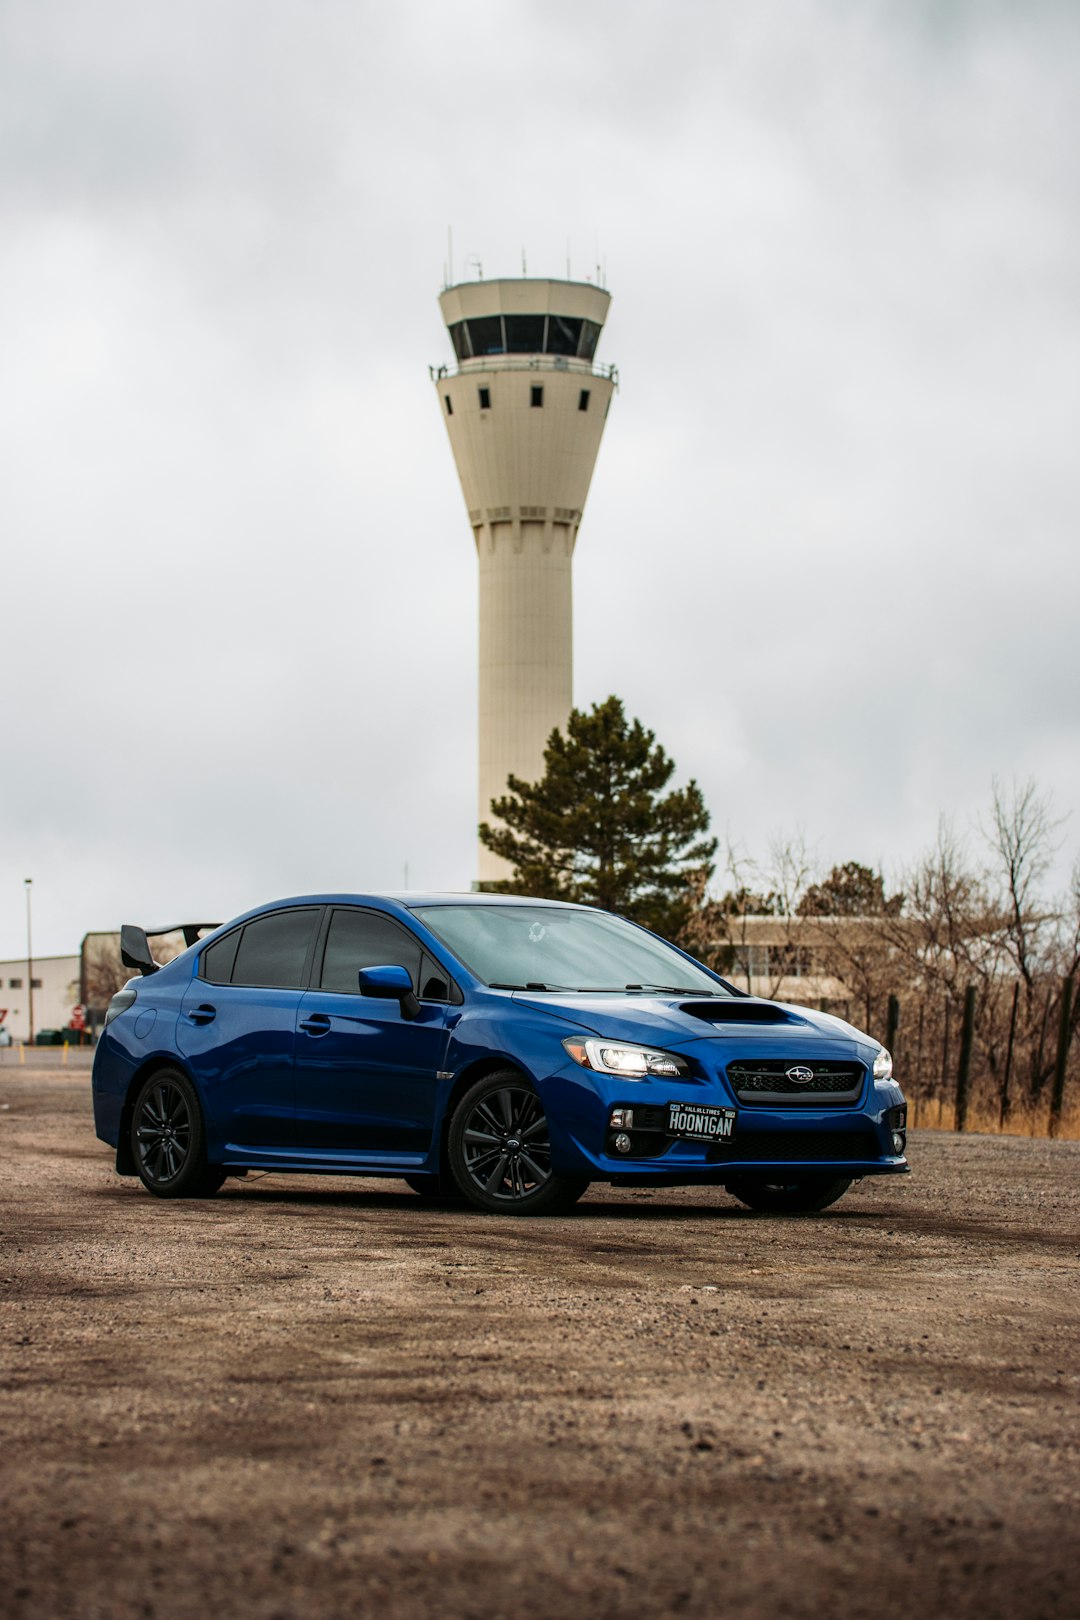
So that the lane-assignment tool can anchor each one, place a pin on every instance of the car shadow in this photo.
(611, 1208)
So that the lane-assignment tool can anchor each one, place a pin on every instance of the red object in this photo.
(78, 1018)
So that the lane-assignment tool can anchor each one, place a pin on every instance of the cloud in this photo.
(830, 549)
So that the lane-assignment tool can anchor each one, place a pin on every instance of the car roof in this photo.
(412, 900)
(402, 900)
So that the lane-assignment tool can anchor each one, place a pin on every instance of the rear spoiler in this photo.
(135, 943)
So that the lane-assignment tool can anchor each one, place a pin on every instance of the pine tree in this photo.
(850, 890)
(598, 827)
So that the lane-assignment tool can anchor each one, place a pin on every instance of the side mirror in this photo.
(135, 950)
(390, 984)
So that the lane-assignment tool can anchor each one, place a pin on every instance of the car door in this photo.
(367, 1076)
(237, 1026)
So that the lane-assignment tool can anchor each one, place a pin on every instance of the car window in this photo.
(359, 939)
(436, 984)
(217, 962)
(273, 949)
(566, 949)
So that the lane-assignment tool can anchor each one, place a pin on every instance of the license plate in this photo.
(700, 1122)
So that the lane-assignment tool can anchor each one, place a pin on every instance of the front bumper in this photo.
(850, 1142)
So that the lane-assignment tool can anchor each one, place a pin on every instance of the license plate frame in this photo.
(700, 1122)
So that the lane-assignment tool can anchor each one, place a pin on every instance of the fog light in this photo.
(899, 1143)
(621, 1119)
(622, 1143)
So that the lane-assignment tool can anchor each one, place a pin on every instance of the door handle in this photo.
(315, 1024)
(202, 1015)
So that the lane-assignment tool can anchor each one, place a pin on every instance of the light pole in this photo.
(30, 956)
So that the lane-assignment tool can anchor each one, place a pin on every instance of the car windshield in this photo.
(543, 948)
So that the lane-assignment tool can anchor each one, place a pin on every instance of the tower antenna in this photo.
(450, 253)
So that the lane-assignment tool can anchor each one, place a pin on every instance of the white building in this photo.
(525, 408)
(55, 986)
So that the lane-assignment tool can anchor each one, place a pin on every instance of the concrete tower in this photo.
(525, 410)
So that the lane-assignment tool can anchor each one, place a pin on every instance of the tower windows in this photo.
(449, 405)
(487, 335)
(524, 334)
(485, 398)
(536, 396)
(590, 334)
(459, 336)
(564, 335)
(583, 400)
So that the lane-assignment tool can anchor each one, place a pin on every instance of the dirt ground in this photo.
(314, 1397)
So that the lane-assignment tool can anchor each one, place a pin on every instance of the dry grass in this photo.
(1025, 1118)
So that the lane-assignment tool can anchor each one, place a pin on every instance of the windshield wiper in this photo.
(675, 989)
(533, 984)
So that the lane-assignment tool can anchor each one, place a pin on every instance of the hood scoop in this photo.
(738, 1012)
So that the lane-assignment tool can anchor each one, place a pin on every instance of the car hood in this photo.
(676, 1021)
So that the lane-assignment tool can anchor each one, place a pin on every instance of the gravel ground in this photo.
(320, 1397)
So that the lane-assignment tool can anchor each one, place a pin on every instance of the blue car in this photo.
(507, 1051)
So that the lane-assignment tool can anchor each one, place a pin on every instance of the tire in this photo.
(799, 1197)
(168, 1139)
(500, 1150)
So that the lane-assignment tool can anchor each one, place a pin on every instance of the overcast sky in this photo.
(830, 553)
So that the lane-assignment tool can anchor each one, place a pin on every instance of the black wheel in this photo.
(168, 1140)
(500, 1150)
(798, 1196)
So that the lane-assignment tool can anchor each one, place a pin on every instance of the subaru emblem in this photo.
(800, 1075)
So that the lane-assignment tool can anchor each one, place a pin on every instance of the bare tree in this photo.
(103, 973)
(1021, 838)
(963, 915)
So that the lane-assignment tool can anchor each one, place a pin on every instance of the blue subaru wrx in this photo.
(506, 1050)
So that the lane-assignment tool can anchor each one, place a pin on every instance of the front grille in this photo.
(765, 1080)
(790, 1146)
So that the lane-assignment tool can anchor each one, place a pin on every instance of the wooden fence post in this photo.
(892, 1023)
(964, 1068)
(1037, 1074)
(945, 1044)
(1064, 1037)
(1003, 1112)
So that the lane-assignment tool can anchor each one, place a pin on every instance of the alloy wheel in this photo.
(163, 1132)
(506, 1144)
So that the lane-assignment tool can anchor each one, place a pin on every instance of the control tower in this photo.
(525, 409)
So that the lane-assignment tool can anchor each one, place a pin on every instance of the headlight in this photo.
(883, 1065)
(628, 1062)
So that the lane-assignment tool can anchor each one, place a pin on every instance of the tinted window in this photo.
(359, 939)
(564, 334)
(217, 962)
(434, 984)
(273, 949)
(487, 335)
(459, 338)
(590, 335)
(525, 334)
